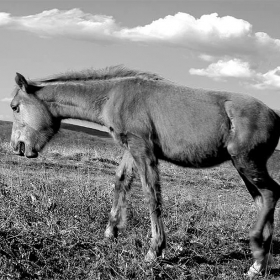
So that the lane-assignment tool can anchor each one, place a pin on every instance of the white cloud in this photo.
(5, 117)
(208, 35)
(269, 80)
(6, 99)
(225, 68)
(72, 23)
(174, 27)
(4, 18)
(237, 68)
(206, 57)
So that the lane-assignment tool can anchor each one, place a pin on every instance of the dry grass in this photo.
(54, 211)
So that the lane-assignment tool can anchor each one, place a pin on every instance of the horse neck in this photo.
(82, 101)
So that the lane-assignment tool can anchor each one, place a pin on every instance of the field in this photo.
(54, 211)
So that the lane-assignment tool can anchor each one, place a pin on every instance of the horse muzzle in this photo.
(23, 150)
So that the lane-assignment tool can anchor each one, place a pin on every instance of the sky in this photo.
(223, 45)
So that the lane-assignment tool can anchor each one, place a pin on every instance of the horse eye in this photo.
(15, 108)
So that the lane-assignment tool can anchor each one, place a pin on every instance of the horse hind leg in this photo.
(265, 192)
(267, 233)
(123, 181)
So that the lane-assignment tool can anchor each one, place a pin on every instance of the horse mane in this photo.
(112, 72)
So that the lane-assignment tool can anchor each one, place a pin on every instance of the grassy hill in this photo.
(54, 210)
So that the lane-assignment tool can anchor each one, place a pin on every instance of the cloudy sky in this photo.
(223, 45)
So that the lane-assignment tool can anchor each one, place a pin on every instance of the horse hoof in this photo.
(260, 266)
(151, 256)
(110, 233)
(255, 270)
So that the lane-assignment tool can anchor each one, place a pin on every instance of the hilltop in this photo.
(6, 127)
(85, 134)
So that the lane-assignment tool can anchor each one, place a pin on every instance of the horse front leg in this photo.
(123, 181)
(147, 164)
(153, 197)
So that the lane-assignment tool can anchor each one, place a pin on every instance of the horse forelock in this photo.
(108, 73)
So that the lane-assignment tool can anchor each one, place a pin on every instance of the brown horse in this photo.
(153, 119)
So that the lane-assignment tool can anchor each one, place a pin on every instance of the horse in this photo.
(155, 119)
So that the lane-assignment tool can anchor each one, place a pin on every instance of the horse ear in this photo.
(21, 82)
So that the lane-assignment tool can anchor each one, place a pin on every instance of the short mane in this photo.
(107, 73)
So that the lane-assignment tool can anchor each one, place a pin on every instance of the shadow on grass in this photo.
(192, 254)
(190, 257)
(274, 272)
(276, 247)
(33, 257)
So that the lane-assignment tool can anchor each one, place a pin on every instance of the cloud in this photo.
(269, 80)
(6, 99)
(184, 30)
(236, 68)
(206, 57)
(4, 19)
(5, 117)
(209, 35)
(74, 24)
(229, 68)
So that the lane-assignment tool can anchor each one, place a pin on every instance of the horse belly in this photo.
(194, 138)
(195, 154)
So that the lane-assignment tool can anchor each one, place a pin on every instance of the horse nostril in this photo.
(32, 154)
(15, 108)
(21, 148)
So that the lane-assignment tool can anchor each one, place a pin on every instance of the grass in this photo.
(54, 211)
